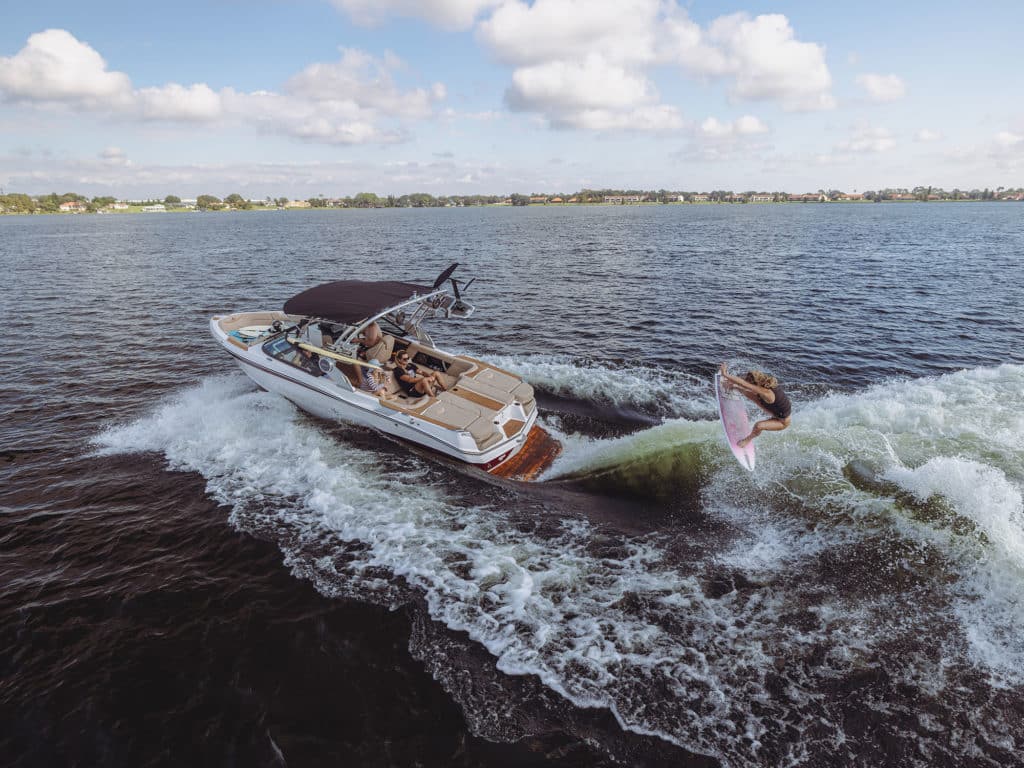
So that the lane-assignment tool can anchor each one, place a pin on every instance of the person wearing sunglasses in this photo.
(411, 381)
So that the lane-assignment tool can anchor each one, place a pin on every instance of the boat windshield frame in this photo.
(428, 305)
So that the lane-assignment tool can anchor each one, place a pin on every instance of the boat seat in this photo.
(396, 389)
(402, 400)
(459, 414)
(480, 388)
(391, 383)
(455, 366)
(381, 351)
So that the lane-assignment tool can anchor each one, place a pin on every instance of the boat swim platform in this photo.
(537, 454)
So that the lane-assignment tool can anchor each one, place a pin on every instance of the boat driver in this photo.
(374, 344)
(310, 362)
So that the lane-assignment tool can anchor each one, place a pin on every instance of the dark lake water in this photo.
(194, 572)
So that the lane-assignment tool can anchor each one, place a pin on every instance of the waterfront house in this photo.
(73, 206)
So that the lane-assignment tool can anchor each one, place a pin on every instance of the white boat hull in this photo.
(331, 401)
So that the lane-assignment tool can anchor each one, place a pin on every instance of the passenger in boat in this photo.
(375, 380)
(371, 334)
(412, 381)
(764, 391)
(310, 362)
(373, 343)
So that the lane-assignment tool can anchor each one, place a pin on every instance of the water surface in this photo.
(194, 571)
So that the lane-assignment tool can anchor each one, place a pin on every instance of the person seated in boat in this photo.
(413, 382)
(375, 380)
(373, 343)
(326, 336)
(309, 362)
(764, 391)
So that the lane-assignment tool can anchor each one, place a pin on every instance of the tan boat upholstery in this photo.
(489, 380)
(381, 351)
(230, 323)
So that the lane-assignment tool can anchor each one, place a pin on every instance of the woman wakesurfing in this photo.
(765, 392)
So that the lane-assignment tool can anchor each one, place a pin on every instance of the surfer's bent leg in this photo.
(766, 425)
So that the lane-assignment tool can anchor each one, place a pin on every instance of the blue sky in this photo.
(335, 97)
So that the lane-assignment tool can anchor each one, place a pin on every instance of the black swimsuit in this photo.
(410, 370)
(781, 408)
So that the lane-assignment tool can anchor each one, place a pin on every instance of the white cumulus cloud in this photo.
(882, 88)
(54, 66)
(575, 56)
(363, 80)
(354, 100)
(768, 63)
(196, 102)
(581, 64)
(927, 134)
(549, 30)
(594, 83)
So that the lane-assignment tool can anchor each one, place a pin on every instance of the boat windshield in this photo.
(286, 352)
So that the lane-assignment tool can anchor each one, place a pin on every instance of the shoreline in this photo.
(261, 209)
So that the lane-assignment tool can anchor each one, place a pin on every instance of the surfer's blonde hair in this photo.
(762, 379)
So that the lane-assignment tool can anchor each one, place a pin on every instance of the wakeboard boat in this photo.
(311, 354)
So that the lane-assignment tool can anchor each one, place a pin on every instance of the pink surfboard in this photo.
(732, 407)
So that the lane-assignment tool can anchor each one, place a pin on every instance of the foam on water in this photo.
(546, 606)
(628, 626)
(632, 386)
(958, 439)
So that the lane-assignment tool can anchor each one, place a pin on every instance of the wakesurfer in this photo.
(764, 391)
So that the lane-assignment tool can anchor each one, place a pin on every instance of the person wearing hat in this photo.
(375, 379)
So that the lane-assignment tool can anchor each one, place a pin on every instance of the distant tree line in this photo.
(51, 203)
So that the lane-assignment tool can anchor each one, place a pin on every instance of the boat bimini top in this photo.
(357, 303)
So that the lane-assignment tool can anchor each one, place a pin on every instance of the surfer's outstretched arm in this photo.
(747, 387)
